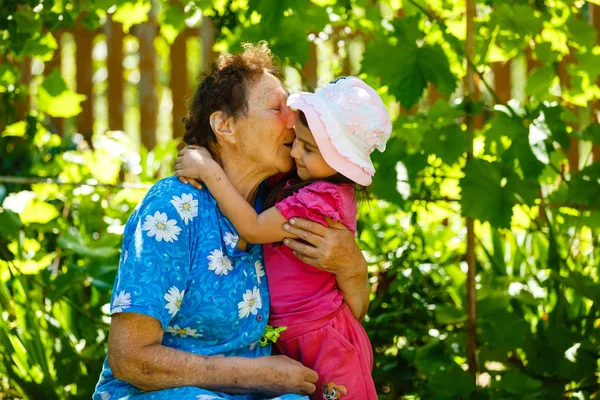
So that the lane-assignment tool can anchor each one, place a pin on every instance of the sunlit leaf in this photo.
(66, 104)
(448, 143)
(132, 13)
(38, 212)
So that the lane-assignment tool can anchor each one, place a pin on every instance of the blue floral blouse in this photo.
(179, 264)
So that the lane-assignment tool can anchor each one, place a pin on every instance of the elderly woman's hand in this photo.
(334, 250)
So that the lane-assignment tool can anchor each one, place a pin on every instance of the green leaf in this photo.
(77, 246)
(10, 224)
(91, 21)
(449, 142)
(38, 212)
(16, 129)
(518, 383)
(592, 133)
(557, 128)
(54, 84)
(581, 31)
(584, 186)
(407, 76)
(518, 19)
(544, 53)
(588, 63)
(436, 68)
(132, 13)
(483, 194)
(42, 47)
(447, 315)
(540, 81)
(173, 22)
(65, 105)
(28, 21)
(8, 76)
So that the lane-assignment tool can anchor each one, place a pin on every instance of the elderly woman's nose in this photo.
(289, 117)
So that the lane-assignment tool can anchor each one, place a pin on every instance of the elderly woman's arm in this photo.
(135, 355)
(333, 249)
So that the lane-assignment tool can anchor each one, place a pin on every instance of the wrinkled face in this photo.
(309, 161)
(266, 134)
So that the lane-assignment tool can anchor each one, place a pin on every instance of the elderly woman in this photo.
(190, 304)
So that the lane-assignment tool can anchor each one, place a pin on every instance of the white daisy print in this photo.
(121, 302)
(231, 239)
(260, 271)
(207, 397)
(160, 228)
(186, 206)
(125, 256)
(183, 332)
(251, 304)
(219, 263)
(174, 298)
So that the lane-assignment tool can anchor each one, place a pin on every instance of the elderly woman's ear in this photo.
(222, 126)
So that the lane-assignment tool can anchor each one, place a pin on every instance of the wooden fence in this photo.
(180, 87)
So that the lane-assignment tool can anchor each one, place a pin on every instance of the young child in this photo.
(337, 128)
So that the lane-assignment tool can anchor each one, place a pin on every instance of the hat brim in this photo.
(331, 155)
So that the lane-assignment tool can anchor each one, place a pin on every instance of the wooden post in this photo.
(469, 84)
(84, 40)
(55, 63)
(502, 85)
(594, 12)
(565, 82)
(146, 32)
(179, 83)
(22, 107)
(309, 70)
(207, 34)
(116, 82)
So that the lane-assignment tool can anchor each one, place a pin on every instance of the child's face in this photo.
(309, 162)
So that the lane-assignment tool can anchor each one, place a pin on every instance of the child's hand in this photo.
(194, 162)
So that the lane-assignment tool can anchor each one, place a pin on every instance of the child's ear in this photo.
(222, 126)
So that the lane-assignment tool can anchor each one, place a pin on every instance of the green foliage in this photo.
(537, 219)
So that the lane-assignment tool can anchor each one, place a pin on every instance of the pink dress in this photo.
(321, 332)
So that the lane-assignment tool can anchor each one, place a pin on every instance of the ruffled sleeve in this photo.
(319, 200)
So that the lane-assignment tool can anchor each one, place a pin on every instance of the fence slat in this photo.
(309, 69)
(55, 62)
(179, 83)
(470, 96)
(207, 34)
(146, 33)
(116, 82)
(565, 82)
(595, 106)
(84, 41)
(502, 85)
(23, 106)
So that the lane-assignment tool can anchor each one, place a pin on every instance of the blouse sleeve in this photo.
(156, 258)
(314, 202)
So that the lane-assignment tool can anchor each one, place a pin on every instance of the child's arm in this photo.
(265, 227)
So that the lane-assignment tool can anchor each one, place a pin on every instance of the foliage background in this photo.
(526, 175)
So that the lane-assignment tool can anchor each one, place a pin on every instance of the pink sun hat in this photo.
(348, 121)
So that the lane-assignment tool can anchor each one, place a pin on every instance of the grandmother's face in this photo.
(266, 134)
